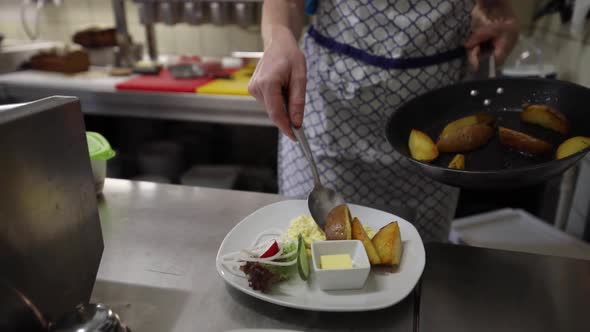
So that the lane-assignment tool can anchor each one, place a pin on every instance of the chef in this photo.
(358, 62)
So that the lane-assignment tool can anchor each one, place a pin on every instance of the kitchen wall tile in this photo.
(166, 38)
(132, 12)
(188, 39)
(52, 13)
(54, 32)
(214, 40)
(241, 39)
(9, 12)
(77, 11)
(13, 30)
(101, 11)
(137, 32)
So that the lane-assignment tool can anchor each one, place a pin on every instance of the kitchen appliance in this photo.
(475, 289)
(50, 234)
(243, 13)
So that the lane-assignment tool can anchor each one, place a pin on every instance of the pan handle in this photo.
(487, 63)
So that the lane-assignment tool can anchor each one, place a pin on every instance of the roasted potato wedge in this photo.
(338, 224)
(465, 139)
(358, 233)
(479, 118)
(458, 162)
(422, 148)
(572, 146)
(388, 243)
(523, 142)
(546, 117)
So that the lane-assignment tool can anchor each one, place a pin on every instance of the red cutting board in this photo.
(164, 82)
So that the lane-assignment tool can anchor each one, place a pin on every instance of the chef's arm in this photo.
(282, 13)
(282, 70)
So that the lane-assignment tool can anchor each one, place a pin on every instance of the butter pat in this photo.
(335, 261)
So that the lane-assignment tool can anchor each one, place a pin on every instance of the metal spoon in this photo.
(321, 200)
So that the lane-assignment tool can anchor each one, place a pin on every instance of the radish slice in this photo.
(271, 251)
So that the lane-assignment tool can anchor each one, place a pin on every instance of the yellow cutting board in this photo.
(237, 85)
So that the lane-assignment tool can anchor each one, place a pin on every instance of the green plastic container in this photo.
(100, 151)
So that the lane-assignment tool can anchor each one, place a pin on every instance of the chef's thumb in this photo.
(296, 103)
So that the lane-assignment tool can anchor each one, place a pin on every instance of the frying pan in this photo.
(493, 166)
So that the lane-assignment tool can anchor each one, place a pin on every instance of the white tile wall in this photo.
(60, 23)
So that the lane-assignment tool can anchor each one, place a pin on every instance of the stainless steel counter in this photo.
(158, 272)
(97, 94)
(158, 266)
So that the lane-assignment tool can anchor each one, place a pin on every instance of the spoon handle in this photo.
(300, 135)
(303, 144)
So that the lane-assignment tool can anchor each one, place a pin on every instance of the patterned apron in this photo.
(364, 59)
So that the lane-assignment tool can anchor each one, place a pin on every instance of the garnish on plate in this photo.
(266, 262)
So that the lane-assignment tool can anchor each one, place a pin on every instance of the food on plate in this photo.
(277, 256)
(271, 251)
(388, 243)
(458, 162)
(307, 227)
(572, 146)
(479, 118)
(338, 223)
(302, 261)
(369, 231)
(337, 261)
(421, 146)
(276, 266)
(546, 117)
(522, 142)
(465, 139)
(358, 233)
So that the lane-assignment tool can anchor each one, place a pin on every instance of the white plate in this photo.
(382, 289)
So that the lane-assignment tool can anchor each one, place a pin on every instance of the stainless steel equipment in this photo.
(50, 235)
(127, 53)
(477, 289)
(244, 13)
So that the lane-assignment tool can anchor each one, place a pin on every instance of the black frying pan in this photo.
(493, 166)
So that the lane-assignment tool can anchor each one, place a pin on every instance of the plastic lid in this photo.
(98, 147)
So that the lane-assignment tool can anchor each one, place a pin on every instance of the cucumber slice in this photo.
(302, 261)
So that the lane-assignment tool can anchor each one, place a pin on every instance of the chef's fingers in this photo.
(473, 57)
(482, 35)
(503, 36)
(274, 102)
(254, 84)
(504, 44)
(297, 83)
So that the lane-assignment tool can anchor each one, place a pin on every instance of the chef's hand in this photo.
(492, 21)
(282, 69)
